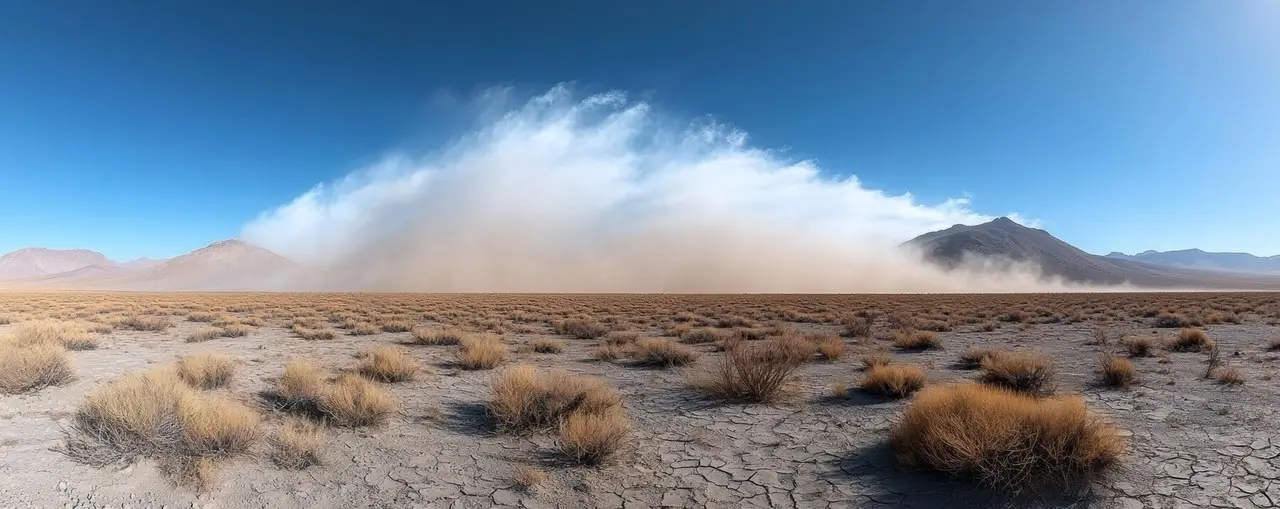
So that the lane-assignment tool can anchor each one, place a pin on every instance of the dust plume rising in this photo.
(601, 194)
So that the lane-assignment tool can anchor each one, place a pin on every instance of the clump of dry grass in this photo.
(528, 477)
(547, 345)
(297, 444)
(916, 340)
(1229, 375)
(594, 437)
(1190, 340)
(145, 323)
(206, 370)
(1170, 321)
(314, 334)
(878, 358)
(201, 316)
(1004, 439)
(973, 357)
(480, 351)
(363, 329)
(703, 335)
(1020, 371)
(301, 386)
(608, 351)
(204, 334)
(893, 380)
(217, 426)
(69, 335)
(1118, 371)
(389, 364)
(397, 326)
(353, 401)
(857, 326)
(581, 329)
(524, 397)
(1141, 346)
(234, 330)
(829, 346)
(757, 371)
(662, 352)
(33, 367)
(433, 337)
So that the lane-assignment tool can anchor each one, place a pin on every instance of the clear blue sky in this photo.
(154, 127)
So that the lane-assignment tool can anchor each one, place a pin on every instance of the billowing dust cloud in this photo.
(603, 195)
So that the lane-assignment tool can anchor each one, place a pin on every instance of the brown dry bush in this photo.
(581, 329)
(973, 357)
(609, 352)
(202, 317)
(594, 437)
(756, 371)
(301, 386)
(916, 340)
(1003, 439)
(703, 335)
(874, 359)
(1118, 371)
(145, 323)
(297, 444)
(389, 364)
(1140, 346)
(314, 334)
(429, 336)
(363, 329)
(234, 330)
(527, 477)
(206, 370)
(662, 352)
(204, 334)
(857, 327)
(893, 380)
(547, 345)
(31, 368)
(397, 326)
(1170, 321)
(1190, 340)
(353, 401)
(524, 397)
(1026, 372)
(480, 351)
(829, 346)
(1230, 375)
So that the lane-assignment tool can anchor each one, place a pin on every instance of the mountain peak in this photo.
(1003, 221)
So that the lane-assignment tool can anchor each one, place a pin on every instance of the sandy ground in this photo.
(1194, 443)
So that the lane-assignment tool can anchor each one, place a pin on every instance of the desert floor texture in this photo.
(1193, 438)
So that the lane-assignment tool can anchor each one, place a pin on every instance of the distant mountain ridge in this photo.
(222, 265)
(1205, 260)
(1005, 239)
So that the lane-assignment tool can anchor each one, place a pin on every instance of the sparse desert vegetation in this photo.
(508, 391)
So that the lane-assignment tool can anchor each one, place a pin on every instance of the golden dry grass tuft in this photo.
(1229, 375)
(917, 340)
(594, 437)
(893, 380)
(973, 357)
(145, 323)
(314, 334)
(548, 345)
(69, 335)
(1190, 340)
(389, 364)
(1117, 371)
(480, 351)
(297, 444)
(1026, 372)
(703, 335)
(1141, 346)
(873, 359)
(528, 477)
(1003, 439)
(301, 386)
(580, 329)
(829, 346)
(524, 397)
(662, 352)
(363, 329)
(353, 401)
(234, 330)
(206, 370)
(204, 334)
(33, 367)
(756, 371)
(429, 336)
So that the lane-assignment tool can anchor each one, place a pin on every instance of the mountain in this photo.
(1005, 240)
(1198, 259)
(37, 262)
(223, 265)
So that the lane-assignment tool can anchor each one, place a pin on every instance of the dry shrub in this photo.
(594, 437)
(1140, 346)
(756, 371)
(1190, 340)
(363, 329)
(433, 337)
(206, 370)
(234, 330)
(217, 426)
(857, 327)
(389, 364)
(1170, 321)
(145, 323)
(1004, 439)
(703, 335)
(1230, 375)
(1118, 371)
(481, 351)
(202, 317)
(204, 334)
(527, 477)
(622, 337)
(314, 334)
(581, 329)
(397, 326)
(874, 359)
(69, 335)
(524, 397)
(609, 352)
(1026, 372)
(973, 357)
(547, 345)
(916, 340)
(662, 352)
(354, 401)
(34, 367)
(296, 445)
(829, 346)
(301, 386)
(893, 380)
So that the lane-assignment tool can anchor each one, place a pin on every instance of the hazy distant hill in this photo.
(223, 265)
(1004, 239)
(37, 261)
(1198, 259)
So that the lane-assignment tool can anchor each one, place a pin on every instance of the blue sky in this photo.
(152, 128)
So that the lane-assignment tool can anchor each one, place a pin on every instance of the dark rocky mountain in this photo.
(1204, 260)
(1004, 240)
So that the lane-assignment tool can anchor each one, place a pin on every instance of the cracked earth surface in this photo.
(1193, 442)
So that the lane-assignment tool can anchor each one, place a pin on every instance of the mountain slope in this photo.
(1004, 239)
(224, 265)
(1198, 259)
(38, 262)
